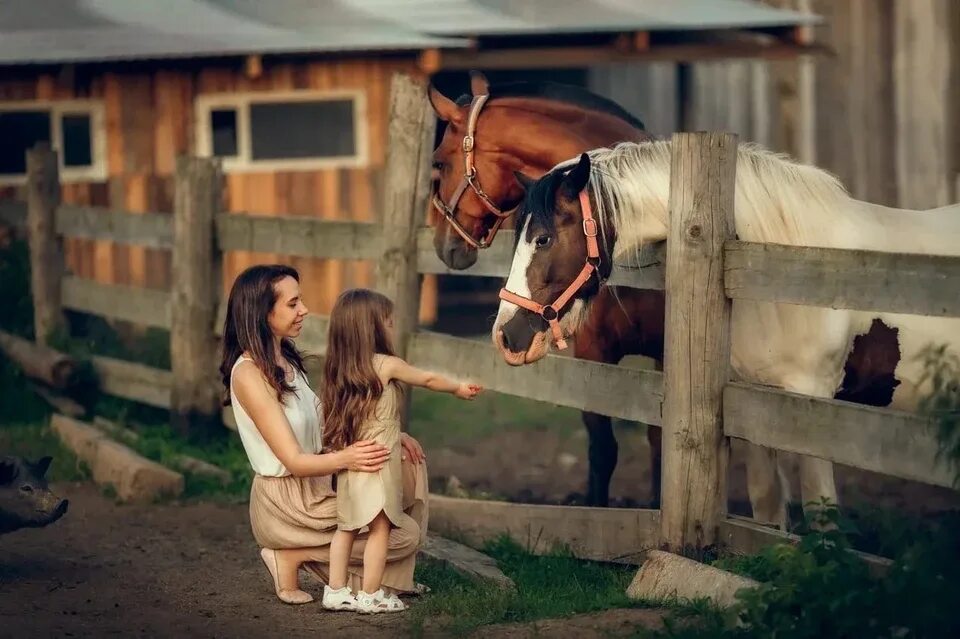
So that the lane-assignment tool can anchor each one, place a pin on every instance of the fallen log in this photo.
(42, 363)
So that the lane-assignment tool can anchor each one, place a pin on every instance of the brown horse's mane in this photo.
(566, 93)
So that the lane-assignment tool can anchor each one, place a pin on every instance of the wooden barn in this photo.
(293, 95)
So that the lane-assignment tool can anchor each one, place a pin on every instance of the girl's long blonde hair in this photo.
(351, 386)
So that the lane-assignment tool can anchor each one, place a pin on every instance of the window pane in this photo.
(19, 131)
(302, 130)
(77, 149)
(223, 123)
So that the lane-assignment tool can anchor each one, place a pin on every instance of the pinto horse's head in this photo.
(476, 189)
(548, 266)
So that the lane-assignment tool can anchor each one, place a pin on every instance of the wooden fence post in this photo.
(406, 191)
(195, 396)
(46, 245)
(697, 340)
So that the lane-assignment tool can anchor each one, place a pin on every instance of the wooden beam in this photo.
(836, 278)
(875, 439)
(143, 306)
(697, 339)
(406, 192)
(37, 361)
(619, 535)
(552, 57)
(298, 235)
(195, 397)
(46, 245)
(601, 388)
(495, 262)
(135, 382)
(153, 230)
(746, 537)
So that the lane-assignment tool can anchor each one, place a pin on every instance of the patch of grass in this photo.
(550, 586)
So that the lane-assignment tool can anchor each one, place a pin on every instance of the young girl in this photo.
(361, 400)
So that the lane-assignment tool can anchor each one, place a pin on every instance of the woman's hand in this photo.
(468, 391)
(365, 456)
(412, 449)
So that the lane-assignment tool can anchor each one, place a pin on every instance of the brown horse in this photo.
(529, 128)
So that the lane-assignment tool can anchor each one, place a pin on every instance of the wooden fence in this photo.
(705, 269)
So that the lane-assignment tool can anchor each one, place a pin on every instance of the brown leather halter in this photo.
(449, 209)
(551, 312)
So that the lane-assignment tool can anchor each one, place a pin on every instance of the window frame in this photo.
(243, 162)
(94, 109)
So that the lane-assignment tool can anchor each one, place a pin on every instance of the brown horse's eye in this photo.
(543, 241)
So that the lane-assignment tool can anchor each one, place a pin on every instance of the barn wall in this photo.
(150, 120)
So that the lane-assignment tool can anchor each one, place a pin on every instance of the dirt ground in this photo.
(186, 571)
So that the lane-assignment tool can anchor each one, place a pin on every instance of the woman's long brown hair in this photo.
(351, 386)
(246, 328)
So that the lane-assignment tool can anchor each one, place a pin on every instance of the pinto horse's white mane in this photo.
(777, 200)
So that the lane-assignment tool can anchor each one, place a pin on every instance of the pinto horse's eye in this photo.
(543, 241)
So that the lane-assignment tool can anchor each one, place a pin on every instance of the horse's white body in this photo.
(798, 348)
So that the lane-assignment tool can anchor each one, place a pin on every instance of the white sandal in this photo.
(378, 602)
(339, 599)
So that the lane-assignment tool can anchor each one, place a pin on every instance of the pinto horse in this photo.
(798, 348)
(530, 127)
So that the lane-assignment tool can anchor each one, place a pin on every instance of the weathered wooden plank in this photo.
(861, 280)
(135, 382)
(195, 396)
(647, 273)
(601, 388)
(875, 439)
(620, 535)
(154, 230)
(129, 303)
(299, 235)
(13, 213)
(46, 246)
(744, 536)
(697, 339)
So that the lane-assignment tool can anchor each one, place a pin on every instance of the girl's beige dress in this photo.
(301, 512)
(361, 496)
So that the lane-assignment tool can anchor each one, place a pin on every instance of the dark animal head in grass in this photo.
(524, 126)
(25, 499)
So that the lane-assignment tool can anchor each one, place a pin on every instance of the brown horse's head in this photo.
(550, 255)
(527, 127)
(477, 188)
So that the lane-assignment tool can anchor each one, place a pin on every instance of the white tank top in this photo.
(302, 408)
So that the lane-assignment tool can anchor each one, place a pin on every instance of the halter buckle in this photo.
(549, 313)
(590, 227)
(467, 143)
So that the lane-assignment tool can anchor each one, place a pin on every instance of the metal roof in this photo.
(38, 31)
(515, 17)
(47, 31)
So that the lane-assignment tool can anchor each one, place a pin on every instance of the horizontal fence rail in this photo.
(604, 388)
(876, 439)
(840, 278)
(135, 304)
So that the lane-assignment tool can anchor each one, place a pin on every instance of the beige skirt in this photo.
(301, 512)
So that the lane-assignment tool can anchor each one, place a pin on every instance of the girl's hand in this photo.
(468, 391)
(412, 449)
(365, 456)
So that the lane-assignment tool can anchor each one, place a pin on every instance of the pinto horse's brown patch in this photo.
(869, 373)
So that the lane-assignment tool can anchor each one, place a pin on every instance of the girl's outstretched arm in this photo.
(396, 368)
(260, 402)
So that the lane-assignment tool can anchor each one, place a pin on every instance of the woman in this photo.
(293, 508)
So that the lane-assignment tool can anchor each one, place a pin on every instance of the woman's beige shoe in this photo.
(295, 597)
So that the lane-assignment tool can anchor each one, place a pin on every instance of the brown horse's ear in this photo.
(576, 180)
(479, 84)
(525, 181)
(445, 108)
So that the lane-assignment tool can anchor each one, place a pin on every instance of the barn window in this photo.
(290, 131)
(74, 128)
